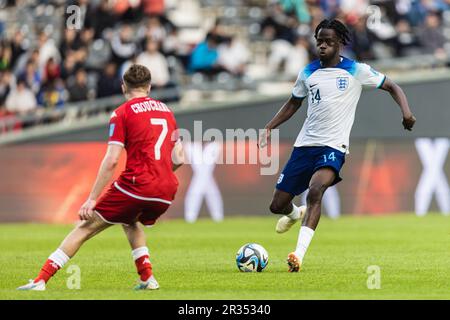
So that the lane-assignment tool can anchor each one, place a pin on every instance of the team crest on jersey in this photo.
(342, 83)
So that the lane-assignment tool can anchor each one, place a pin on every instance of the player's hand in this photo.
(264, 138)
(87, 209)
(408, 122)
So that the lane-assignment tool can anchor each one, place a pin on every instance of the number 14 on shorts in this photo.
(329, 157)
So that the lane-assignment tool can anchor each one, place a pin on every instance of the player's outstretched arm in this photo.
(177, 156)
(285, 113)
(104, 175)
(400, 97)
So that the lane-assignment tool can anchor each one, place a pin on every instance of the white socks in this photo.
(59, 257)
(304, 238)
(139, 252)
(295, 214)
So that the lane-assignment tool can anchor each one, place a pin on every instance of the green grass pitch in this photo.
(197, 261)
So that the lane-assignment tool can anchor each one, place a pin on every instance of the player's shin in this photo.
(55, 261)
(142, 261)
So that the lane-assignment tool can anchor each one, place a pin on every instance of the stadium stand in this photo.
(51, 70)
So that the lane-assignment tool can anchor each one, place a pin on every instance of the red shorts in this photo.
(117, 207)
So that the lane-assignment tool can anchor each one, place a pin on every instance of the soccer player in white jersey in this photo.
(332, 84)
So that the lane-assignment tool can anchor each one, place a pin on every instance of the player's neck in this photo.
(331, 62)
(136, 94)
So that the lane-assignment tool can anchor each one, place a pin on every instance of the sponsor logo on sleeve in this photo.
(112, 126)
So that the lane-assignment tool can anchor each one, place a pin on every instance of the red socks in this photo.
(48, 270)
(54, 262)
(141, 259)
(144, 267)
(50, 267)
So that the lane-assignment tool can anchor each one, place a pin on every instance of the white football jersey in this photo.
(333, 94)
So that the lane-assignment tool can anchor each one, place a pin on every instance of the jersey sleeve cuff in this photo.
(382, 82)
(117, 143)
(297, 97)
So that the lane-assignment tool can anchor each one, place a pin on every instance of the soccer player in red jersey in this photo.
(147, 129)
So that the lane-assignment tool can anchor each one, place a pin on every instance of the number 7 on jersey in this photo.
(162, 136)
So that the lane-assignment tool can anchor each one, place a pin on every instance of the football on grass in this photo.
(252, 257)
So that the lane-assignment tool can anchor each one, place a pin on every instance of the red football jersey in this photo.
(147, 130)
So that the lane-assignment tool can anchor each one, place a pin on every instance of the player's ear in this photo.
(149, 88)
(124, 88)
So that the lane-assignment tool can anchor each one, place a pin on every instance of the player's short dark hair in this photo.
(341, 30)
(137, 76)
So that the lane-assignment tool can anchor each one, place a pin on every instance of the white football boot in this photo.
(150, 284)
(285, 223)
(33, 286)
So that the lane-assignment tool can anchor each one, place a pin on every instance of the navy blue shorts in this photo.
(304, 162)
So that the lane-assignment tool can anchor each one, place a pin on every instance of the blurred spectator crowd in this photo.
(46, 66)
(379, 29)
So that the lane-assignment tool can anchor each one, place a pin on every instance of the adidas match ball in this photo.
(252, 257)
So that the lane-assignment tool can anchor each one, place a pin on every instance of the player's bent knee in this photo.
(276, 207)
(89, 228)
(86, 229)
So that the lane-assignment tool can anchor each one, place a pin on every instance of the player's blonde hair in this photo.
(137, 76)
